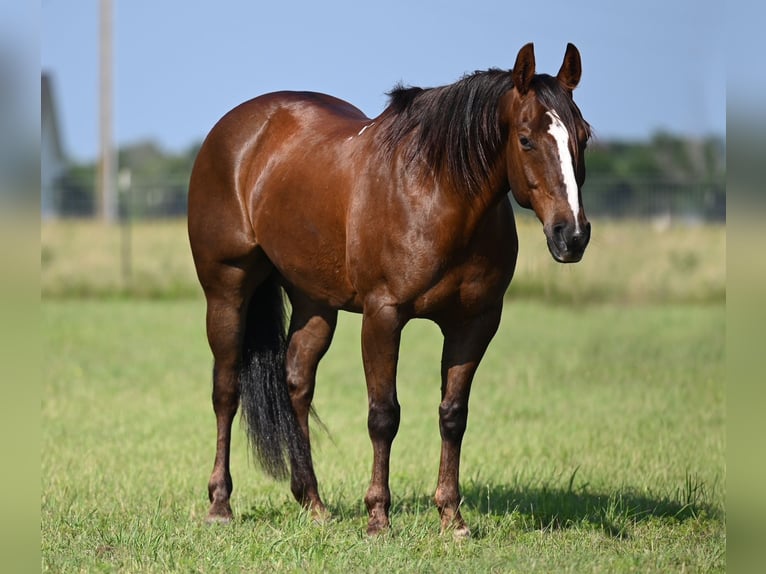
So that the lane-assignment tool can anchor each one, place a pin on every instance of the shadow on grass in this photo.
(540, 507)
(551, 508)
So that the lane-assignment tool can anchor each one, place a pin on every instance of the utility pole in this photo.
(107, 197)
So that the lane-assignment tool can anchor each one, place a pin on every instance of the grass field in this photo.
(595, 441)
(626, 262)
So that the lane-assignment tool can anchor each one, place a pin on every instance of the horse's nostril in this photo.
(583, 236)
(558, 232)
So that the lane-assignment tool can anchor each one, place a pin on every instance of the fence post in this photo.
(126, 252)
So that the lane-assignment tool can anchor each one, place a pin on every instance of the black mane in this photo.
(456, 127)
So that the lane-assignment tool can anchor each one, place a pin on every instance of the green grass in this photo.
(595, 443)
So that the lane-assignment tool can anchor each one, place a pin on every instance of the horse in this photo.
(404, 216)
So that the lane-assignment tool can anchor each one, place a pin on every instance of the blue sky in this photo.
(647, 66)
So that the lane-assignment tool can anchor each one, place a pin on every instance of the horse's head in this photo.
(546, 144)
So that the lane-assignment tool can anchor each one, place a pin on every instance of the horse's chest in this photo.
(429, 261)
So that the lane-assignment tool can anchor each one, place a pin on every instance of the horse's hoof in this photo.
(377, 528)
(461, 533)
(217, 519)
(320, 516)
(219, 514)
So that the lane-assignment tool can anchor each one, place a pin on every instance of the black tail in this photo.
(272, 426)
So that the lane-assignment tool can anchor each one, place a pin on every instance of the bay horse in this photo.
(403, 216)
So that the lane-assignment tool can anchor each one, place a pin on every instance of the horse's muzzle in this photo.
(566, 242)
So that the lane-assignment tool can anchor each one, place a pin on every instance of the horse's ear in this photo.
(571, 69)
(524, 68)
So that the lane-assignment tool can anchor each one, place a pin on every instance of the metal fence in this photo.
(653, 198)
(73, 197)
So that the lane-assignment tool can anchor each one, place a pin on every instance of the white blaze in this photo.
(559, 132)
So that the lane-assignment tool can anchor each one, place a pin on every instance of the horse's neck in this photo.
(494, 190)
(474, 207)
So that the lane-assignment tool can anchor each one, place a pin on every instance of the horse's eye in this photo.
(526, 143)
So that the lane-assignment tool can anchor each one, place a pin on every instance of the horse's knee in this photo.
(453, 418)
(383, 420)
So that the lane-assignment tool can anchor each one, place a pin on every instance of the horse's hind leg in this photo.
(311, 331)
(464, 345)
(226, 312)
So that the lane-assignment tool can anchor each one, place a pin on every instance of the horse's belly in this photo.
(321, 277)
(308, 251)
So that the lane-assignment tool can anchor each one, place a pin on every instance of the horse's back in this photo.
(282, 110)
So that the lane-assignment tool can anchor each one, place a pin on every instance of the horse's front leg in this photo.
(464, 345)
(381, 333)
